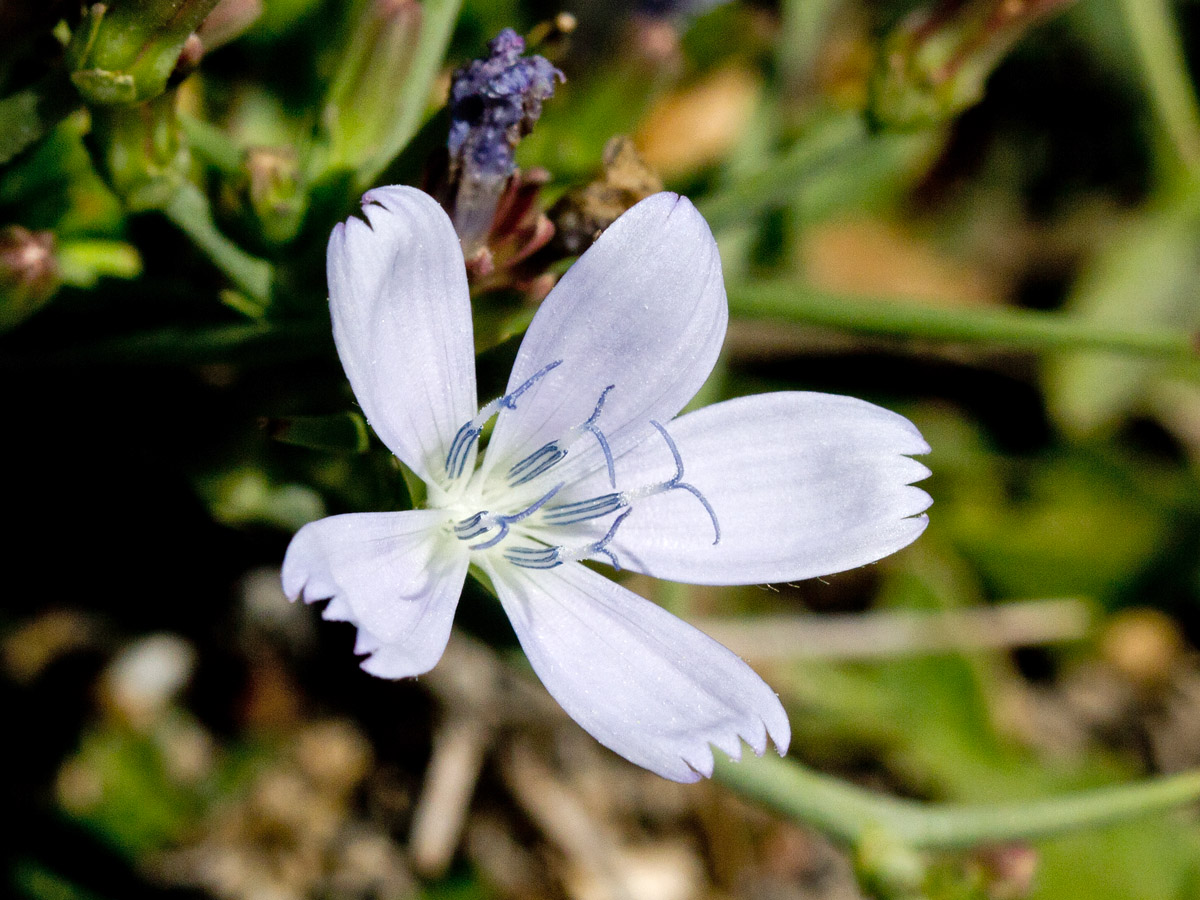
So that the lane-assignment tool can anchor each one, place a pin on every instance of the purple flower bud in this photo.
(494, 102)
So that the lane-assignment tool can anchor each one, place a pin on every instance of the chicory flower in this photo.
(587, 461)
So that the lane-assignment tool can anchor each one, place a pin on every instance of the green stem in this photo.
(1015, 328)
(780, 180)
(1160, 51)
(850, 813)
(188, 208)
(437, 25)
(213, 145)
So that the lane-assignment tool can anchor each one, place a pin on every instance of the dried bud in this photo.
(494, 102)
(934, 64)
(189, 58)
(29, 272)
(126, 53)
(581, 214)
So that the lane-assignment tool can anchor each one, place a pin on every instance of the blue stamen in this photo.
(460, 447)
(599, 546)
(509, 401)
(551, 454)
(546, 456)
(583, 510)
(456, 459)
(612, 559)
(534, 457)
(473, 526)
(505, 521)
(590, 425)
(549, 557)
(534, 557)
(678, 482)
(695, 492)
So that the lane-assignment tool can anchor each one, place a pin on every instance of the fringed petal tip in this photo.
(802, 484)
(386, 574)
(773, 725)
(645, 684)
(393, 662)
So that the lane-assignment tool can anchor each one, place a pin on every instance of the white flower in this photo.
(587, 461)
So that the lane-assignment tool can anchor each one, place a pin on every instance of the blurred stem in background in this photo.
(888, 833)
(852, 814)
(1144, 278)
(787, 300)
(802, 30)
(1161, 62)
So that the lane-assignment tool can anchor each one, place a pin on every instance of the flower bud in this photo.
(934, 64)
(29, 273)
(125, 52)
(365, 99)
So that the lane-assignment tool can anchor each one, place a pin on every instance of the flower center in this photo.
(548, 531)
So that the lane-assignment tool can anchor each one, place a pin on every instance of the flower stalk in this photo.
(1019, 329)
(852, 814)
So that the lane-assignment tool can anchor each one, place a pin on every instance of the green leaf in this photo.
(1142, 282)
(343, 432)
(28, 115)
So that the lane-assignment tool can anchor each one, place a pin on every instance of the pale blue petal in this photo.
(645, 684)
(402, 324)
(801, 484)
(397, 576)
(643, 310)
